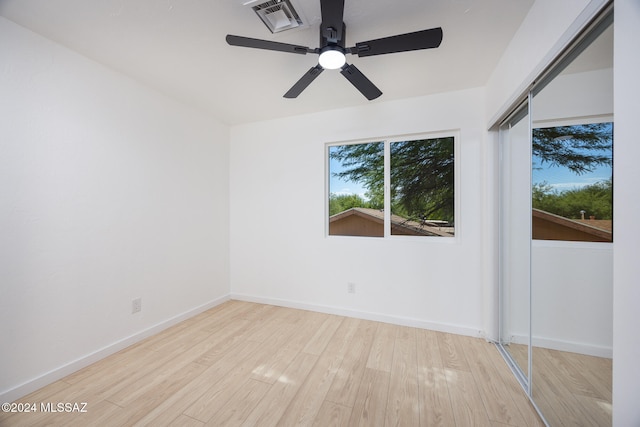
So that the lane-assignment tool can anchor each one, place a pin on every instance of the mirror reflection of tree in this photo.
(579, 148)
(582, 150)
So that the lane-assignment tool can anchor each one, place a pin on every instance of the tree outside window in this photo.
(421, 182)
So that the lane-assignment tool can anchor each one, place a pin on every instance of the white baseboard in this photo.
(378, 317)
(71, 367)
(572, 347)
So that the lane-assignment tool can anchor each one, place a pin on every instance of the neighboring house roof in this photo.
(602, 224)
(398, 223)
(593, 230)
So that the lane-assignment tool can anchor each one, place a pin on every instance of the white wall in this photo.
(626, 265)
(279, 251)
(564, 101)
(108, 192)
(538, 40)
(572, 296)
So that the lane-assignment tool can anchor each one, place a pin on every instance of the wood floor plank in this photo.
(597, 370)
(136, 385)
(572, 389)
(184, 398)
(452, 352)
(139, 407)
(495, 396)
(599, 410)
(566, 369)
(93, 388)
(468, 408)
(403, 408)
(434, 400)
(286, 344)
(257, 312)
(562, 412)
(123, 384)
(99, 411)
(381, 354)
(271, 322)
(303, 408)
(184, 421)
(240, 404)
(344, 387)
(220, 342)
(370, 406)
(306, 403)
(591, 376)
(236, 375)
(323, 335)
(332, 414)
(271, 408)
(520, 399)
(138, 356)
(45, 394)
(211, 322)
(98, 414)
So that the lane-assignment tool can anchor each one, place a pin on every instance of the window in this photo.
(419, 174)
(356, 189)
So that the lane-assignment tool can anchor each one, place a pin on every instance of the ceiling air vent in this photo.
(277, 15)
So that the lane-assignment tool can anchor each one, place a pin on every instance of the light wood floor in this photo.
(251, 364)
(570, 389)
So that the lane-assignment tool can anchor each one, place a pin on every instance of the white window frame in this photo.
(387, 141)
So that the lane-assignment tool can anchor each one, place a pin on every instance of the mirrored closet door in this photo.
(515, 241)
(556, 192)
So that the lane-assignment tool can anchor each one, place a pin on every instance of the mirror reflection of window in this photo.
(572, 175)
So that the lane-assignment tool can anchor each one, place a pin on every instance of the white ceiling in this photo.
(179, 48)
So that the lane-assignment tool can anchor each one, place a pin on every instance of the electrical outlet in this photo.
(351, 288)
(136, 305)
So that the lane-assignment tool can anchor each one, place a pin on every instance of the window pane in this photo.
(573, 183)
(356, 189)
(422, 187)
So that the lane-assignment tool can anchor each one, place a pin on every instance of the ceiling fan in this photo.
(332, 49)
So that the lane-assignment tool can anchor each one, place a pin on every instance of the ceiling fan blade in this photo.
(332, 20)
(267, 44)
(305, 81)
(362, 83)
(425, 39)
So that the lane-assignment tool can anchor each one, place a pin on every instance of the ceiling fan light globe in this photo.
(332, 59)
